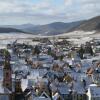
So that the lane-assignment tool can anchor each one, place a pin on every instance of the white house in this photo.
(93, 92)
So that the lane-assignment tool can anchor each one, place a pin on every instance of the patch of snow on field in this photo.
(78, 33)
(15, 35)
(6, 38)
(79, 41)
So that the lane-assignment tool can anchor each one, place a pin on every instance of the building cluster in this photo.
(50, 70)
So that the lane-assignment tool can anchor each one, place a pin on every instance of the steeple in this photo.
(18, 90)
(7, 72)
(7, 64)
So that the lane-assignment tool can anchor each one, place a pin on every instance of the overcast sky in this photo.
(46, 11)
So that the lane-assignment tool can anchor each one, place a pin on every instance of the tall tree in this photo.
(37, 51)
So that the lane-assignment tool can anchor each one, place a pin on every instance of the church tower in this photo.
(18, 90)
(7, 75)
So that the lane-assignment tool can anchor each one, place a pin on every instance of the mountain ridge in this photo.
(55, 28)
(10, 30)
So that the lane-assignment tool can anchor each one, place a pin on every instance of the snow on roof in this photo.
(63, 88)
(43, 58)
(44, 94)
(24, 84)
(38, 72)
(93, 85)
(60, 63)
(55, 96)
(41, 98)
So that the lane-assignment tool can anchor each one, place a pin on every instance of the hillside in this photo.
(54, 28)
(9, 30)
(90, 25)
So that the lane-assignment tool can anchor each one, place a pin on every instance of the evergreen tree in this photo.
(37, 51)
(81, 52)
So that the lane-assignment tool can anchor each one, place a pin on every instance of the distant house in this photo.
(5, 94)
(44, 94)
(93, 92)
(1, 61)
(78, 91)
(63, 91)
(96, 77)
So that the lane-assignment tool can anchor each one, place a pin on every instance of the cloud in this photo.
(19, 6)
(90, 1)
(68, 2)
(82, 9)
(45, 11)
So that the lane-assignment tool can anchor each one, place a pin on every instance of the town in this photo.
(50, 69)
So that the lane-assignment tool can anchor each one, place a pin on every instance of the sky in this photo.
(37, 12)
